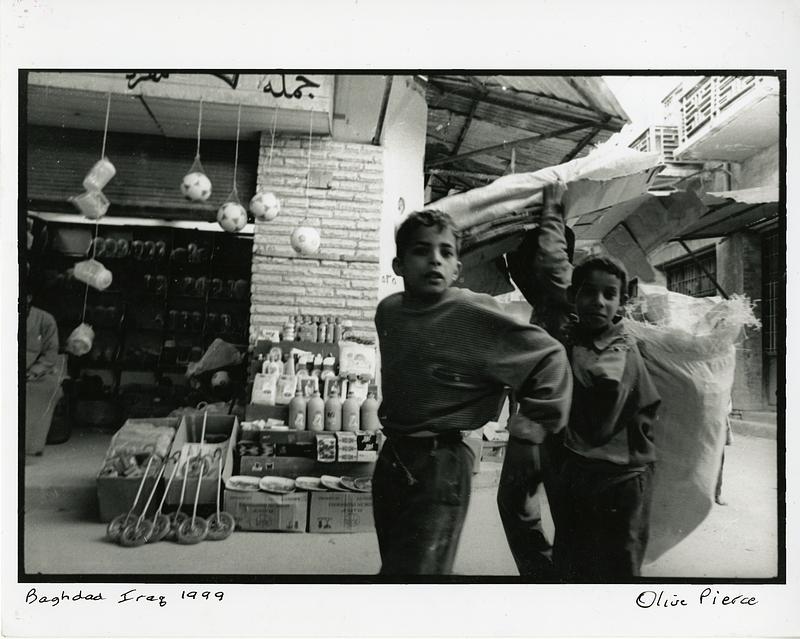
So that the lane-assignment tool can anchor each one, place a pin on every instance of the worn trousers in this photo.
(525, 469)
(420, 490)
(604, 522)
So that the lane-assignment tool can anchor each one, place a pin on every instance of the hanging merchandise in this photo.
(306, 239)
(232, 216)
(265, 205)
(94, 274)
(92, 203)
(80, 340)
(195, 185)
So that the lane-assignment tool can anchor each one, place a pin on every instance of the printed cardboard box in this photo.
(221, 432)
(340, 512)
(257, 510)
(293, 467)
(115, 495)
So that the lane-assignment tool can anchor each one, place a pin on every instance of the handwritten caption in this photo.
(132, 596)
(708, 597)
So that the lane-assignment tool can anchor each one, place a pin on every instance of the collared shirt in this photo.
(614, 400)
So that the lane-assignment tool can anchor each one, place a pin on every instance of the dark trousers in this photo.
(604, 523)
(525, 468)
(420, 491)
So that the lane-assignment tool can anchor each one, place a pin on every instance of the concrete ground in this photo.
(62, 535)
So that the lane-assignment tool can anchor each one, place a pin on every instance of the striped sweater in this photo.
(444, 365)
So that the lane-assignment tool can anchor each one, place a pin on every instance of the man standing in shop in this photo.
(42, 374)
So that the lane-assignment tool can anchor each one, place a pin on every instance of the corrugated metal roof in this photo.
(470, 113)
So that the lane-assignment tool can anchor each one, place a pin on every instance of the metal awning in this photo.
(732, 211)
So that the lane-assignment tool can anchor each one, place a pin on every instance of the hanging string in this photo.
(236, 158)
(199, 125)
(308, 169)
(272, 143)
(105, 128)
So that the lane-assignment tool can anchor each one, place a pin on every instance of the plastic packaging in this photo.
(333, 412)
(80, 340)
(297, 411)
(315, 413)
(264, 389)
(369, 413)
(94, 274)
(93, 204)
(288, 329)
(99, 175)
(351, 415)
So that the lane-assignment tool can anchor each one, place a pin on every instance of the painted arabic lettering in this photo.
(231, 79)
(305, 83)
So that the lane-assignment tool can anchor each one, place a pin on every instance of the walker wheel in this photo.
(161, 528)
(136, 534)
(189, 533)
(220, 526)
(115, 527)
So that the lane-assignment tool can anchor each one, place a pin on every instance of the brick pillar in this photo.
(739, 271)
(344, 203)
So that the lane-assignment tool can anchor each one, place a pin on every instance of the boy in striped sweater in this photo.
(446, 356)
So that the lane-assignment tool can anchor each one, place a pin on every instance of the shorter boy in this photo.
(446, 356)
(608, 474)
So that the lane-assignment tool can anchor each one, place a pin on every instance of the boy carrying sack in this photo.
(606, 484)
(446, 355)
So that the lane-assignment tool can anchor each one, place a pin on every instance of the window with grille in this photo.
(688, 278)
(772, 273)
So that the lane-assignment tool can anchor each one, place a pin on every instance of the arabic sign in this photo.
(278, 86)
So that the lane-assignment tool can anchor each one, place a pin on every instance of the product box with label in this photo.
(130, 447)
(340, 512)
(220, 434)
(261, 511)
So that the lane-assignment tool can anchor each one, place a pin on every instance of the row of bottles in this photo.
(308, 328)
(316, 414)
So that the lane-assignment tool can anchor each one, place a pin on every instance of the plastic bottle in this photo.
(297, 411)
(288, 365)
(369, 413)
(288, 330)
(327, 367)
(333, 412)
(300, 329)
(315, 413)
(337, 330)
(331, 332)
(351, 416)
(323, 330)
(347, 330)
(316, 325)
(317, 370)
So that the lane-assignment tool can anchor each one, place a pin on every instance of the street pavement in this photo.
(737, 540)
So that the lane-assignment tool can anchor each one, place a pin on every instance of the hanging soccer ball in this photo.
(232, 217)
(305, 240)
(265, 206)
(196, 186)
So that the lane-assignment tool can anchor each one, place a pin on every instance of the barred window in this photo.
(772, 274)
(687, 278)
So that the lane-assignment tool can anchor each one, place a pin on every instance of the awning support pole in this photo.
(387, 90)
(702, 268)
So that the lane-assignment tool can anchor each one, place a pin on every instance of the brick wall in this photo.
(342, 279)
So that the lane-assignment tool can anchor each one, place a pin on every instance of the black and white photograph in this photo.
(397, 330)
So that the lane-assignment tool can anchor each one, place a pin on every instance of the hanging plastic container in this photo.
(93, 204)
(80, 340)
(94, 274)
(99, 175)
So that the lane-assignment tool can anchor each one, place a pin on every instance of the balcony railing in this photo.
(662, 139)
(710, 97)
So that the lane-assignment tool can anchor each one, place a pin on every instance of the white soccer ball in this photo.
(305, 240)
(265, 206)
(232, 217)
(196, 186)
